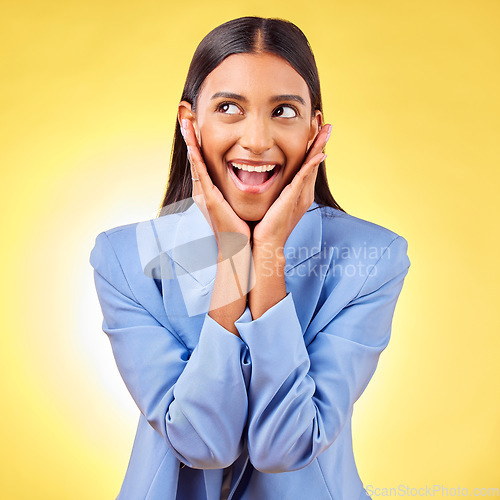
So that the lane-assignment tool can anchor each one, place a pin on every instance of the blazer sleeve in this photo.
(197, 402)
(301, 396)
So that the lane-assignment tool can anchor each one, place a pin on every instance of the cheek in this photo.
(294, 146)
(215, 140)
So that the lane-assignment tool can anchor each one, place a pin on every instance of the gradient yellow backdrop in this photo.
(88, 96)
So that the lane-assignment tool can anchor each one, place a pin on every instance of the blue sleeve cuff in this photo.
(285, 303)
(213, 329)
(275, 338)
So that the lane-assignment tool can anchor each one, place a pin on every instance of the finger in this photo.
(307, 169)
(304, 179)
(197, 190)
(309, 184)
(320, 141)
(198, 194)
(199, 171)
(196, 163)
(198, 166)
(188, 141)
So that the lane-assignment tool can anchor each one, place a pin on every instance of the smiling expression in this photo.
(254, 124)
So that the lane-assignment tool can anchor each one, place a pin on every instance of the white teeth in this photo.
(251, 168)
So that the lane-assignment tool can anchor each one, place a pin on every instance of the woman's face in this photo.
(254, 111)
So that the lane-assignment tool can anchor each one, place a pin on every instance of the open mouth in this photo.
(253, 178)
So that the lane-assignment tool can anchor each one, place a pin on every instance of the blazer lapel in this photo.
(183, 254)
(304, 273)
(304, 241)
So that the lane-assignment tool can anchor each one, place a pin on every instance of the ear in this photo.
(316, 123)
(185, 112)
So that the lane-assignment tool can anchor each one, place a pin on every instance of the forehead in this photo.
(255, 75)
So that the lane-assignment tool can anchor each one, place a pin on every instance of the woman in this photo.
(246, 324)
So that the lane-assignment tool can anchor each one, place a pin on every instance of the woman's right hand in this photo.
(219, 214)
(232, 280)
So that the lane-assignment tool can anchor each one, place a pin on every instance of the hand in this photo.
(219, 214)
(232, 235)
(293, 202)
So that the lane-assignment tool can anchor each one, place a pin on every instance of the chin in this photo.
(250, 217)
(250, 214)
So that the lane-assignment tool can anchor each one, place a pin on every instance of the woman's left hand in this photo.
(293, 202)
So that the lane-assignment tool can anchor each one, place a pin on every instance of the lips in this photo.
(251, 176)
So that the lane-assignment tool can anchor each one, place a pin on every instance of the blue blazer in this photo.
(268, 414)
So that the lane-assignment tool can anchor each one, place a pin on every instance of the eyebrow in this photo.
(230, 95)
(288, 97)
(276, 98)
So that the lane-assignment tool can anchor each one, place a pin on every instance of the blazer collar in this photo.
(304, 241)
(194, 246)
(180, 250)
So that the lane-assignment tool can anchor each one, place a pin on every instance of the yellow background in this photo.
(88, 95)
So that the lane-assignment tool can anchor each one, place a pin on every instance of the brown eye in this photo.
(228, 108)
(285, 112)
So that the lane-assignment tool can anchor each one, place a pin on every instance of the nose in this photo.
(256, 136)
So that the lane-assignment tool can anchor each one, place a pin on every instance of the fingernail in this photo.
(329, 132)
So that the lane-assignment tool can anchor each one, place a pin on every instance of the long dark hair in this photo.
(243, 35)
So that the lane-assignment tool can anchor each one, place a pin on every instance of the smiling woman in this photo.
(242, 335)
(254, 110)
(257, 40)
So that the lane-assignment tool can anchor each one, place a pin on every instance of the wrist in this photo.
(268, 262)
(269, 252)
(227, 315)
